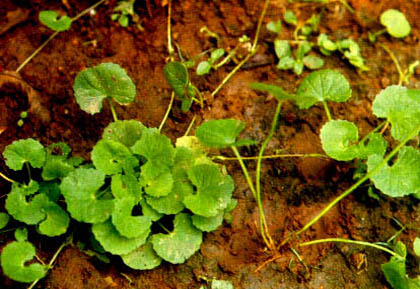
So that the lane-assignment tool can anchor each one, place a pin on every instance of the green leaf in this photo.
(155, 148)
(298, 67)
(4, 220)
(313, 62)
(337, 138)
(13, 259)
(30, 212)
(112, 241)
(216, 54)
(127, 225)
(325, 43)
(282, 48)
(142, 258)
(290, 17)
(112, 157)
(416, 246)
(126, 132)
(177, 75)
(377, 145)
(21, 235)
(219, 133)
(321, 86)
(56, 167)
(303, 48)
(22, 151)
(214, 190)
(402, 109)
(123, 20)
(400, 179)
(207, 224)
(149, 211)
(221, 284)
(395, 273)
(395, 22)
(203, 67)
(286, 63)
(79, 189)
(275, 90)
(95, 84)
(274, 26)
(180, 244)
(123, 186)
(56, 221)
(50, 19)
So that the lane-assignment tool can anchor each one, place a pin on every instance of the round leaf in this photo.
(207, 224)
(95, 84)
(400, 179)
(402, 109)
(179, 245)
(56, 221)
(337, 137)
(126, 132)
(4, 220)
(142, 258)
(203, 68)
(13, 259)
(113, 242)
(322, 85)
(50, 19)
(22, 151)
(220, 133)
(395, 22)
(112, 157)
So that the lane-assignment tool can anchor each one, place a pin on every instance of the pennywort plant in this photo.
(175, 191)
(340, 140)
(396, 24)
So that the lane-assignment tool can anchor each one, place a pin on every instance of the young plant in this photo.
(124, 11)
(176, 73)
(204, 67)
(395, 24)
(348, 47)
(305, 29)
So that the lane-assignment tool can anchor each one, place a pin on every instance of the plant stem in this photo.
(50, 264)
(276, 156)
(327, 110)
(263, 223)
(357, 184)
(340, 240)
(114, 113)
(245, 171)
(6, 178)
(54, 35)
(36, 52)
(187, 132)
(373, 131)
(250, 53)
(395, 60)
(170, 48)
(347, 6)
(29, 171)
(171, 102)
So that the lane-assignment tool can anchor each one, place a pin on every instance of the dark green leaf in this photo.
(95, 84)
(4, 220)
(22, 151)
(177, 75)
(126, 132)
(50, 19)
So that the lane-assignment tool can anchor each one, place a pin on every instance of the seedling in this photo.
(348, 47)
(124, 11)
(204, 67)
(302, 30)
(395, 24)
(23, 116)
(176, 74)
(50, 19)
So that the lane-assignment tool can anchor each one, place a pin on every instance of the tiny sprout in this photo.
(24, 114)
(20, 122)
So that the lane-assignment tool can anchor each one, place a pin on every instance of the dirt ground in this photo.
(294, 190)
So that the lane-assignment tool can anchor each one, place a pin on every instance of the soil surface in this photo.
(294, 189)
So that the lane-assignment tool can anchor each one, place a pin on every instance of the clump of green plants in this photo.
(283, 49)
(395, 24)
(176, 192)
(400, 107)
(347, 47)
(124, 12)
